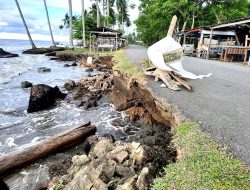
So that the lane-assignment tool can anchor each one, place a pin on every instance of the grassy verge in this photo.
(124, 66)
(75, 51)
(203, 164)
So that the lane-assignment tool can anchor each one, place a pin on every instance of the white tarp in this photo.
(168, 44)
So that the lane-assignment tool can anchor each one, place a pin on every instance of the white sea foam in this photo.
(10, 142)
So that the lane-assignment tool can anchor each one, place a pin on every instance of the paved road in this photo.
(221, 103)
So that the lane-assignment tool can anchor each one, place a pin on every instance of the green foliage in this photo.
(155, 16)
(202, 165)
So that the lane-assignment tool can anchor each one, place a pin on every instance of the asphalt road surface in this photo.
(221, 103)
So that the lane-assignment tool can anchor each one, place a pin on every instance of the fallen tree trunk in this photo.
(20, 158)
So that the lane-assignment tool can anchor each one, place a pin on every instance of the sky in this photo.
(11, 26)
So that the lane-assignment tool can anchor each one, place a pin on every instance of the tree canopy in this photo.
(155, 15)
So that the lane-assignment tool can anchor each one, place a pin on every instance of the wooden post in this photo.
(172, 26)
(210, 40)
(116, 42)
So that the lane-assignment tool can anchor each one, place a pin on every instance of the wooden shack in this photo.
(226, 41)
(105, 39)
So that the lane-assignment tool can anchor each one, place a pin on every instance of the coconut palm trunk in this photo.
(83, 24)
(97, 14)
(70, 25)
(25, 25)
(107, 13)
(50, 30)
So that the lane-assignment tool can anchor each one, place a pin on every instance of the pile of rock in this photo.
(110, 165)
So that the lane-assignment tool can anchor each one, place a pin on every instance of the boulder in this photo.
(51, 54)
(74, 64)
(102, 147)
(86, 179)
(43, 96)
(26, 84)
(129, 184)
(54, 58)
(90, 104)
(107, 170)
(5, 54)
(121, 156)
(122, 171)
(70, 85)
(110, 137)
(80, 160)
(89, 69)
(43, 70)
(66, 65)
(142, 179)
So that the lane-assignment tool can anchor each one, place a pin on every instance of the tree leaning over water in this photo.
(50, 30)
(25, 25)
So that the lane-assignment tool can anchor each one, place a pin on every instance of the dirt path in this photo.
(221, 103)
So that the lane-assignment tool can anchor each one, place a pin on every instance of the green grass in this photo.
(203, 164)
(123, 64)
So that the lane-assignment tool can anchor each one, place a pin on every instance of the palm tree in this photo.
(70, 25)
(122, 10)
(47, 13)
(83, 24)
(98, 13)
(25, 25)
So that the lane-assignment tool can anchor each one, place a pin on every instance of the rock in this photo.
(138, 153)
(129, 184)
(89, 69)
(3, 185)
(5, 54)
(142, 179)
(90, 104)
(43, 97)
(74, 64)
(86, 179)
(163, 86)
(121, 156)
(43, 50)
(66, 65)
(26, 84)
(43, 70)
(110, 137)
(80, 160)
(70, 85)
(51, 54)
(118, 123)
(54, 58)
(102, 147)
(107, 170)
(122, 171)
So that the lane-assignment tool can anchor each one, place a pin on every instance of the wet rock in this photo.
(74, 64)
(66, 65)
(70, 85)
(110, 137)
(118, 123)
(51, 54)
(89, 69)
(163, 86)
(54, 58)
(142, 179)
(43, 96)
(26, 84)
(43, 70)
(3, 185)
(5, 54)
(129, 184)
(90, 104)
(80, 160)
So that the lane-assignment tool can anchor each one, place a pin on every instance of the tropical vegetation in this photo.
(156, 15)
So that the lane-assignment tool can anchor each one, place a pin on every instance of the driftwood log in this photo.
(20, 158)
(172, 80)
